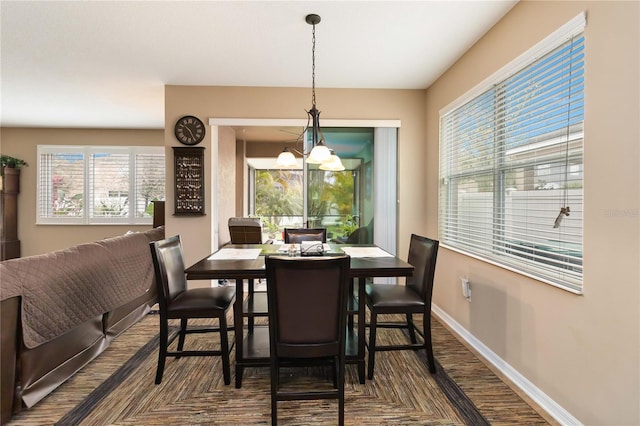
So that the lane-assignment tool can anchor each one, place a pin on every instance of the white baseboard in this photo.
(547, 404)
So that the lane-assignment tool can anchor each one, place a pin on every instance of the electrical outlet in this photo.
(466, 288)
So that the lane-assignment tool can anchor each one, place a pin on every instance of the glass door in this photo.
(309, 197)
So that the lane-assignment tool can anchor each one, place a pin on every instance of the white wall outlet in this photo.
(466, 288)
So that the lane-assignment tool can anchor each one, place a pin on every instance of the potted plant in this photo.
(10, 173)
(11, 162)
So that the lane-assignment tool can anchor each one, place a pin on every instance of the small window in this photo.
(511, 162)
(99, 185)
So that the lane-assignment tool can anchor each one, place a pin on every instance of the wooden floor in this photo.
(118, 388)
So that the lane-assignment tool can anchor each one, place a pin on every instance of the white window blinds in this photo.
(511, 166)
(99, 185)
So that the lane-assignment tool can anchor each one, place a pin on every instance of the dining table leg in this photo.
(361, 327)
(238, 322)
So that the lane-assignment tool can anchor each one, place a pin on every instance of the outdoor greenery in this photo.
(330, 195)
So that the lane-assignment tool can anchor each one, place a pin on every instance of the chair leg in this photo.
(224, 347)
(162, 350)
(250, 290)
(411, 328)
(372, 344)
(183, 333)
(341, 393)
(275, 374)
(426, 330)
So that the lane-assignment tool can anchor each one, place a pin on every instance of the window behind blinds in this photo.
(511, 157)
(99, 185)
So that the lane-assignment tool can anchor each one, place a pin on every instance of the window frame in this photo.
(87, 217)
(533, 268)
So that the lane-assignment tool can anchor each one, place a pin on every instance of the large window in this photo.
(511, 164)
(99, 185)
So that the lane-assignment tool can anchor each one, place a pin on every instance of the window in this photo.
(99, 185)
(511, 156)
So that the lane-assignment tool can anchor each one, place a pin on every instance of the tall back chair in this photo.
(307, 301)
(245, 230)
(296, 235)
(412, 298)
(177, 302)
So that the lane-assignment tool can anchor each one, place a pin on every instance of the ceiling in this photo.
(104, 64)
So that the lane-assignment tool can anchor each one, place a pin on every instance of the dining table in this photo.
(242, 262)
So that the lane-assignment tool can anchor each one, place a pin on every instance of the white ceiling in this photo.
(104, 64)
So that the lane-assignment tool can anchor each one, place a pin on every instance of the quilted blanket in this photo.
(62, 289)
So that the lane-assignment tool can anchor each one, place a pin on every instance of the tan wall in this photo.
(287, 103)
(582, 351)
(22, 143)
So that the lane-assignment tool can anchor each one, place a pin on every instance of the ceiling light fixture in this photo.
(320, 154)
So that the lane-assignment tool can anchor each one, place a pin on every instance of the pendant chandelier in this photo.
(320, 154)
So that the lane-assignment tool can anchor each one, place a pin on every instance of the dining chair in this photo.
(245, 230)
(297, 235)
(414, 297)
(176, 301)
(307, 301)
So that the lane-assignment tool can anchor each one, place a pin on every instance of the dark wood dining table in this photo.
(252, 348)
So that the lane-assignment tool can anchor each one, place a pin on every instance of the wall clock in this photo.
(189, 130)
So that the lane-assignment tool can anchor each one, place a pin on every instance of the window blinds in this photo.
(99, 185)
(511, 157)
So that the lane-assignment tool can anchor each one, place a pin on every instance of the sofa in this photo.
(60, 310)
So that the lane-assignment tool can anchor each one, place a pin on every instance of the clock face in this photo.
(189, 130)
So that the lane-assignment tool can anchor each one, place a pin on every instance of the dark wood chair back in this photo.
(169, 269)
(296, 235)
(307, 301)
(245, 230)
(423, 252)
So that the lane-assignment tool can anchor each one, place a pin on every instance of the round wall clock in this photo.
(189, 130)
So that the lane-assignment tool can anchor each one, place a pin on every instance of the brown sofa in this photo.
(60, 310)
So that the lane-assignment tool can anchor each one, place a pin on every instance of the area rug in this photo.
(122, 391)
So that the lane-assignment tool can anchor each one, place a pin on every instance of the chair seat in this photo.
(203, 299)
(390, 296)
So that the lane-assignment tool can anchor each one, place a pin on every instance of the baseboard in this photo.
(540, 398)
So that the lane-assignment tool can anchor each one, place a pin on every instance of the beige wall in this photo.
(287, 103)
(22, 143)
(582, 351)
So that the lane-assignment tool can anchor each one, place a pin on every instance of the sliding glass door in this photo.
(340, 201)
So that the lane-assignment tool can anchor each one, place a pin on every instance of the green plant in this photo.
(349, 225)
(8, 161)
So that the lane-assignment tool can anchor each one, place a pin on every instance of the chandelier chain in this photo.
(313, 66)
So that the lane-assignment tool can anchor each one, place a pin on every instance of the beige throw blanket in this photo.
(62, 289)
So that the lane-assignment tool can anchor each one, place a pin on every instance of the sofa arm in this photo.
(9, 311)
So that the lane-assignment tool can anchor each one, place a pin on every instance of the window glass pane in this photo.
(511, 169)
(109, 185)
(61, 185)
(278, 199)
(150, 175)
